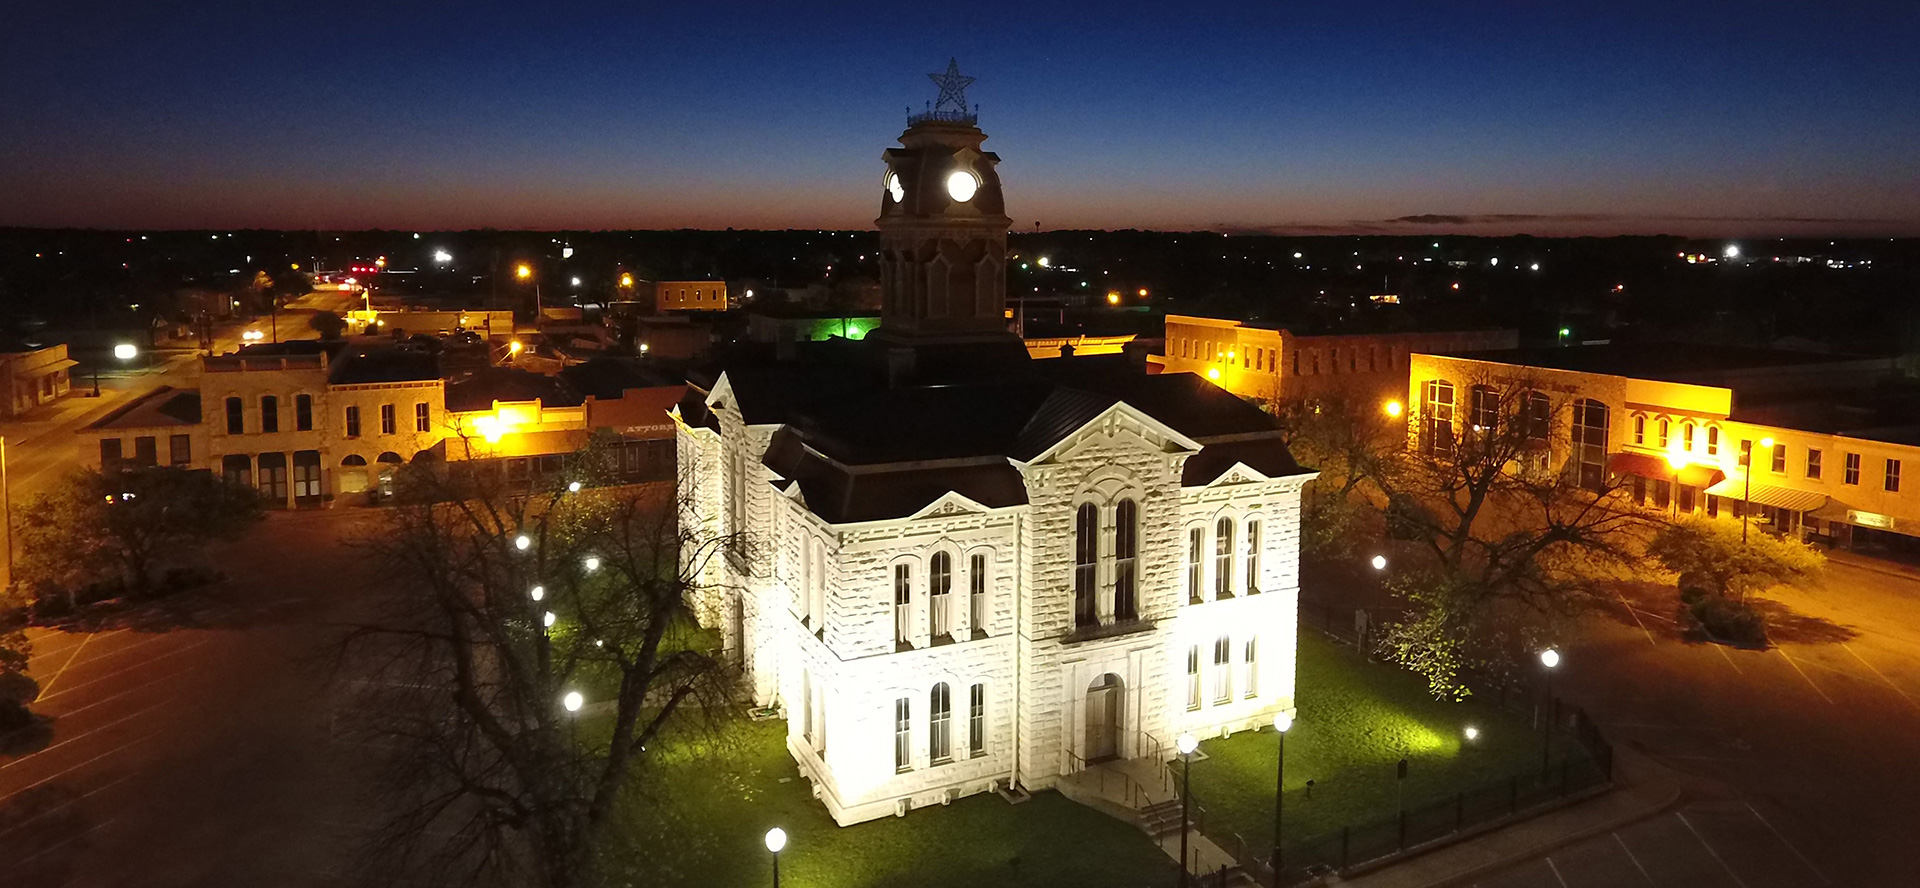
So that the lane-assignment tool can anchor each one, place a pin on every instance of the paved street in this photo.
(1799, 762)
(193, 746)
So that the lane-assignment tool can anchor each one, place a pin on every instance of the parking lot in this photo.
(1702, 845)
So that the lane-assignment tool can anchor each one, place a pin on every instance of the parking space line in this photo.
(63, 667)
(1804, 677)
(68, 803)
(9, 796)
(1724, 656)
(140, 665)
(1790, 846)
(75, 646)
(82, 736)
(1635, 614)
(1632, 859)
(1556, 873)
(1716, 855)
(66, 841)
(1883, 676)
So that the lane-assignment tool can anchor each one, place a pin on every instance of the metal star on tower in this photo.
(953, 87)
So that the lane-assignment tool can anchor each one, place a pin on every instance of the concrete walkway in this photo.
(1125, 789)
(1644, 789)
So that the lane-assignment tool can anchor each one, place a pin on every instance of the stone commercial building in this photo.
(956, 568)
(31, 377)
(1274, 364)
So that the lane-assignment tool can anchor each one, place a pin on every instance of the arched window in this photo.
(1253, 556)
(1713, 440)
(939, 585)
(902, 734)
(1222, 674)
(269, 413)
(1126, 549)
(1639, 430)
(902, 604)
(977, 721)
(1663, 434)
(939, 724)
(1436, 419)
(1195, 541)
(1086, 549)
(1686, 437)
(1223, 558)
(1590, 443)
(977, 593)
(236, 416)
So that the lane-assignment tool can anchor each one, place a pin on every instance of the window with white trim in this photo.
(1223, 558)
(1253, 556)
(977, 721)
(1086, 550)
(1196, 538)
(902, 603)
(1252, 683)
(977, 592)
(1436, 419)
(939, 725)
(902, 735)
(939, 589)
(1126, 550)
(1193, 678)
(1222, 670)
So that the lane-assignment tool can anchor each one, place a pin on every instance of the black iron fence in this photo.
(1579, 760)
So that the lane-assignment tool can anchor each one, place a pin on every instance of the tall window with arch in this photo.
(1223, 558)
(1251, 687)
(1436, 419)
(1662, 441)
(1639, 430)
(1590, 443)
(1086, 566)
(1195, 541)
(977, 721)
(939, 589)
(977, 593)
(1686, 437)
(939, 725)
(1126, 550)
(817, 585)
(1537, 414)
(1485, 407)
(902, 735)
(1222, 672)
(1253, 556)
(902, 604)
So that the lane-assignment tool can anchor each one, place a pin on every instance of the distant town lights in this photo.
(1143, 292)
(576, 282)
(442, 256)
(1044, 262)
(1732, 251)
(523, 271)
(1113, 298)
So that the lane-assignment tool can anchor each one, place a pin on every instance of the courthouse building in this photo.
(957, 568)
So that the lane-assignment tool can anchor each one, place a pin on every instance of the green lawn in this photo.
(711, 802)
(1356, 720)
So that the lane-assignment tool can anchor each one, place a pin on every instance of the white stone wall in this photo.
(697, 452)
(846, 669)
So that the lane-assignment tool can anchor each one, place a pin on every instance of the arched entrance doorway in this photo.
(1106, 701)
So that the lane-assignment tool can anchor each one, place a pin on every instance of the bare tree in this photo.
(504, 599)
(1349, 440)
(1514, 545)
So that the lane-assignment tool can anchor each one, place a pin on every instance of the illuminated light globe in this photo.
(573, 701)
(1732, 251)
(573, 487)
(895, 190)
(1549, 658)
(537, 592)
(776, 839)
(1472, 733)
(593, 563)
(1282, 721)
(1187, 743)
(547, 619)
(961, 185)
(521, 542)
(125, 351)
(1379, 562)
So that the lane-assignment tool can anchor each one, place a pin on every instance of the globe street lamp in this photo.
(1394, 408)
(1549, 658)
(1379, 562)
(1186, 743)
(521, 542)
(573, 701)
(776, 840)
(1281, 722)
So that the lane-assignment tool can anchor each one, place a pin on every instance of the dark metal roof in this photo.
(479, 391)
(372, 365)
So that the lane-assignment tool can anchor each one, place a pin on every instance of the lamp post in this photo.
(1281, 722)
(1677, 460)
(1186, 743)
(1746, 499)
(1549, 658)
(776, 840)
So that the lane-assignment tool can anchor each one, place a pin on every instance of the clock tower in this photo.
(943, 226)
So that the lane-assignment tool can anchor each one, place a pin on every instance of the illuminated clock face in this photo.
(894, 188)
(961, 185)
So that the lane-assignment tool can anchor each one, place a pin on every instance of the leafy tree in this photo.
(1513, 548)
(126, 524)
(1711, 556)
(495, 782)
(17, 688)
(1349, 441)
(328, 324)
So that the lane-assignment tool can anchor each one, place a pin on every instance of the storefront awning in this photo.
(1769, 495)
(1657, 468)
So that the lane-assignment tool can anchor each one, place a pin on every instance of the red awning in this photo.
(1657, 468)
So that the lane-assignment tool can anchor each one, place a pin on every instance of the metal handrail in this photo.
(1135, 794)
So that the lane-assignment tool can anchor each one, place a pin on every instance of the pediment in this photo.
(949, 505)
(1118, 421)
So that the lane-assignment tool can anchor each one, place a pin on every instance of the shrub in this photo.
(1727, 620)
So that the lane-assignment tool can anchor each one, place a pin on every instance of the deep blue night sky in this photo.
(1553, 118)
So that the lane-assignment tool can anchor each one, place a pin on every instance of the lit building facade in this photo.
(1667, 425)
(690, 296)
(1273, 364)
(957, 569)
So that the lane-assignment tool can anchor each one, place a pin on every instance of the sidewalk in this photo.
(1643, 789)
